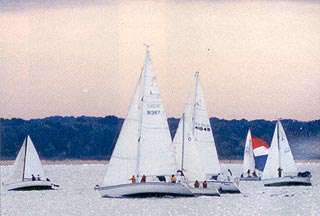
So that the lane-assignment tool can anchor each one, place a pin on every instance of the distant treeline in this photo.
(94, 137)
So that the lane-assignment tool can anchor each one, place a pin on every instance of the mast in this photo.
(278, 140)
(195, 101)
(182, 156)
(141, 113)
(25, 157)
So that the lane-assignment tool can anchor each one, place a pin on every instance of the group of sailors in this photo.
(254, 174)
(33, 178)
(173, 179)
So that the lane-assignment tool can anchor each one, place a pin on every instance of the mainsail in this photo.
(279, 155)
(248, 158)
(199, 156)
(27, 163)
(144, 144)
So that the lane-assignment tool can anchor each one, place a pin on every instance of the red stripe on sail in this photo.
(257, 142)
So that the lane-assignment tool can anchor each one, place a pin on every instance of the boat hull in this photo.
(224, 186)
(288, 181)
(30, 185)
(148, 189)
(250, 178)
(212, 191)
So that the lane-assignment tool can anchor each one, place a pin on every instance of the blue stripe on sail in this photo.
(260, 162)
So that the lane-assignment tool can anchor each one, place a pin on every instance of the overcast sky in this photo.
(256, 59)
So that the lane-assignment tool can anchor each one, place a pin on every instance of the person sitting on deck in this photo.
(33, 178)
(196, 184)
(241, 175)
(47, 179)
(38, 178)
(143, 179)
(279, 172)
(173, 179)
(248, 172)
(133, 179)
(204, 184)
(254, 174)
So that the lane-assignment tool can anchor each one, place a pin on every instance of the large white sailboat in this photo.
(195, 148)
(143, 148)
(27, 173)
(280, 169)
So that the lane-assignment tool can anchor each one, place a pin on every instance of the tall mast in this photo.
(182, 156)
(141, 112)
(196, 75)
(24, 159)
(278, 140)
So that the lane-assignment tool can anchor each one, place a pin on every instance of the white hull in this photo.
(224, 186)
(148, 189)
(288, 181)
(250, 178)
(31, 185)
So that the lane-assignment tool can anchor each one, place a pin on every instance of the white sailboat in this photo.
(143, 147)
(196, 152)
(248, 161)
(27, 171)
(280, 169)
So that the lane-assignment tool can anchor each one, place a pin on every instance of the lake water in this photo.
(77, 197)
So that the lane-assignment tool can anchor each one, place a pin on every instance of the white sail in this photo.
(279, 156)
(18, 166)
(199, 151)
(156, 152)
(248, 158)
(27, 163)
(287, 163)
(33, 164)
(124, 156)
(203, 132)
(187, 154)
(144, 144)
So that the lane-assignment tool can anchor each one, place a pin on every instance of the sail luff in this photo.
(140, 110)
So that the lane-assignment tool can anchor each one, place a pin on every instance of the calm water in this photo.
(77, 197)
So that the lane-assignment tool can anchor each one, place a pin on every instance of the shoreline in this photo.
(79, 162)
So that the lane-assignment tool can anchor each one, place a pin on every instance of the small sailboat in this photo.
(254, 158)
(281, 169)
(195, 148)
(27, 172)
(143, 150)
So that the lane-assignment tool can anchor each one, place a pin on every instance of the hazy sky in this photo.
(256, 59)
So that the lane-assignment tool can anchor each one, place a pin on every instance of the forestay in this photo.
(248, 158)
(144, 144)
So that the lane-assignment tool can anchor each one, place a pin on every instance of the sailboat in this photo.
(281, 169)
(195, 148)
(143, 149)
(254, 158)
(27, 171)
